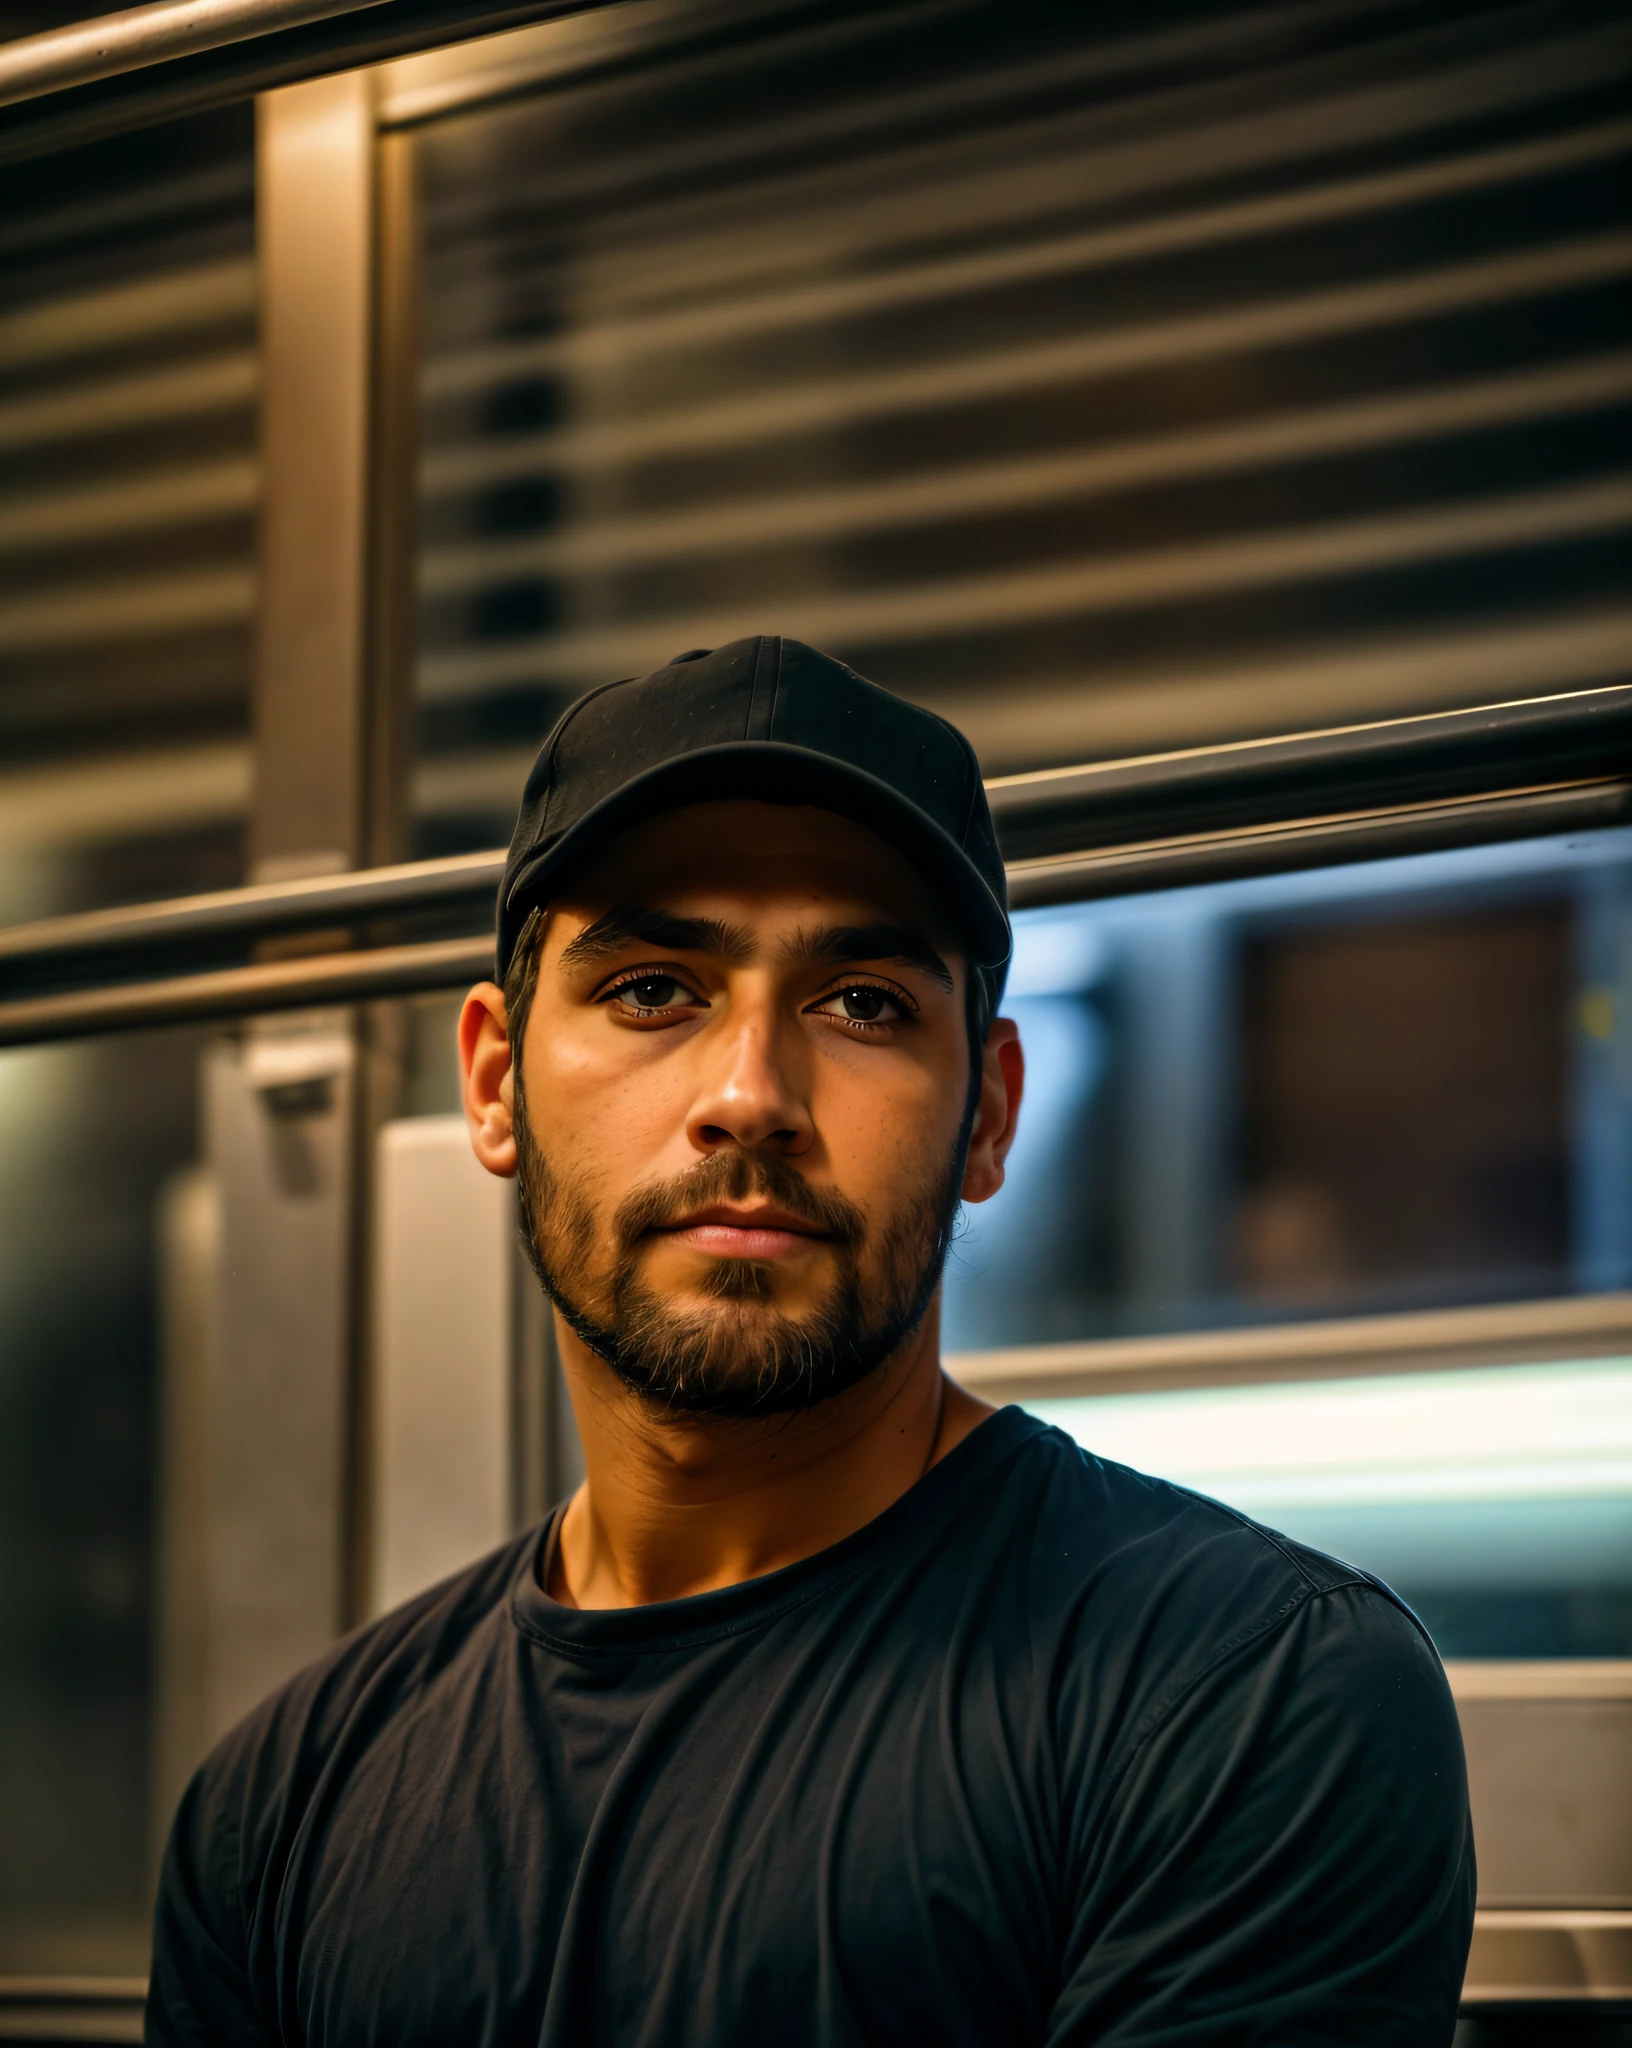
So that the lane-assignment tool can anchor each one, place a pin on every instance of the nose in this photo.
(750, 1093)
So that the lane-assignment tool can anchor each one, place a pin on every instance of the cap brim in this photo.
(776, 773)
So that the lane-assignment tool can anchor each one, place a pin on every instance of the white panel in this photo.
(1550, 1782)
(442, 1358)
(277, 1119)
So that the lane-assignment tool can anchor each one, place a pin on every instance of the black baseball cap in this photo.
(775, 720)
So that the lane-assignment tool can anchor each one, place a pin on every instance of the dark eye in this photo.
(651, 992)
(861, 1005)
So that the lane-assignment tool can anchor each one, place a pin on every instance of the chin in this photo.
(741, 1282)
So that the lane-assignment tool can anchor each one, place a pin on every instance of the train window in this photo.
(98, 1151)
(1375, 1092)
(1393, 1086)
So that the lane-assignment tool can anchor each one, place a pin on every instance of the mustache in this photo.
(737, 1176)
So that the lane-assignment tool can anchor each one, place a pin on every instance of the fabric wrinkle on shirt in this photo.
(1050, 1752)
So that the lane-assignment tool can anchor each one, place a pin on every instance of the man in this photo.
(834, 1707)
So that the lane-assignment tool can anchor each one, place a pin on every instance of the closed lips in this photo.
(746, 1233)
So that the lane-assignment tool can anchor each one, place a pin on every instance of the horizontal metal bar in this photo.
(102, 798)
(219, 70)
(111, 44)
(1579, 742)
(48, 2002)
(451, 963)
(77, 2009)
(1504, 770)
(1318, 842)
(255, 912)
(247, 991)
(1098, 714)
(1570, 1961)
(396, 970)
(1563, 1678)
(1506, 1333)
(76, 1989)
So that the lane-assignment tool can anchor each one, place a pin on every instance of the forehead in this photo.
(756, 861)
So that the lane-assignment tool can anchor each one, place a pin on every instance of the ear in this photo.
(1002, 1083)
(487, 1078)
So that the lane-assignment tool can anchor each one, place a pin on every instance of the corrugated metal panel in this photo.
(1109, 380)
(128, 491)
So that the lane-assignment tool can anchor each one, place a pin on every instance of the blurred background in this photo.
(1119, 382)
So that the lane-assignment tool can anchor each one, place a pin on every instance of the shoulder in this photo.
(215, 1968)
(1141, 1591)
(1252, 1761)
(1092, 1524)
(256, 1780)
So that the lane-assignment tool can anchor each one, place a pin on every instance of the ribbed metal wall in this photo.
(1111, 379)
(128, 487)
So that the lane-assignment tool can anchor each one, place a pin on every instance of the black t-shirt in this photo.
(1049, 1752)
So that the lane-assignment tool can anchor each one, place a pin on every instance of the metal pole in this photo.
(111, 44)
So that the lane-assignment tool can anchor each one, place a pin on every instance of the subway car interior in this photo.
(1220, 412)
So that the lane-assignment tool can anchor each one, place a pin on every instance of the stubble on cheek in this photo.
(738, 1336)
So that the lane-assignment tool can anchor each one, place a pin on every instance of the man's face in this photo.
(740, 1105)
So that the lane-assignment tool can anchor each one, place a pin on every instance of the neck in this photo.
(675, 1505)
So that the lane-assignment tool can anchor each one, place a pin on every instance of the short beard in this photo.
(745, 1359)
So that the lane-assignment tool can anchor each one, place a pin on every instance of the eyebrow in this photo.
(845, 944)
(635, 924)
(632, 924)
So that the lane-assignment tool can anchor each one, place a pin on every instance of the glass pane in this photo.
(175, 1362)
(97, 1143)
(177, 1282)
(128, 492)
(1393, 1086)
(430, 1055)
(1108, 388)
(1497, 1501)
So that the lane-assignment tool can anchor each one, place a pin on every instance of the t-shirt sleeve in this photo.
(1283, 1856)
(199, 1988)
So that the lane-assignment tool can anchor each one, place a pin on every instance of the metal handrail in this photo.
(266, 986)
(1576, 735)
(157, 62)
(1320, 840)
(1204, 814)
(109, 45)
(252, 913)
